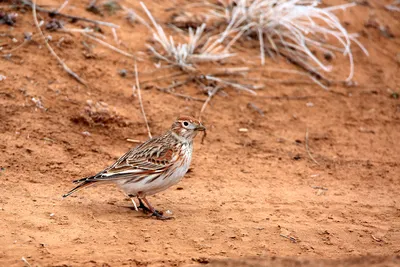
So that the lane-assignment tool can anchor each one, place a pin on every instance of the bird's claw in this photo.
(159, 216)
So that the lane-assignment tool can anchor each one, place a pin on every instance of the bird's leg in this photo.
(134, 204)
(146, 209)
(133, 201)
(155, 213)
(143, 207)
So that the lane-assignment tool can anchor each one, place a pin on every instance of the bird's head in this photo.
(187, 127)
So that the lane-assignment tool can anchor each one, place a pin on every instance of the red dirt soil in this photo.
(254, 197)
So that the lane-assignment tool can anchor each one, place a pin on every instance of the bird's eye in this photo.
(185, 123)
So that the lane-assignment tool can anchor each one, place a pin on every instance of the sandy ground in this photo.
(254, 197)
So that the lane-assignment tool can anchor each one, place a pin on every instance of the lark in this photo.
(151, 167)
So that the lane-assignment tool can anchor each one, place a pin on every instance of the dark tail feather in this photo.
(86, 179)
(83, 183)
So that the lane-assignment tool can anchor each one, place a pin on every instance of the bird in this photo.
(151, 167)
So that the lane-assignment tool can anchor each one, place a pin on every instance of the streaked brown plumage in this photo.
(153, 166)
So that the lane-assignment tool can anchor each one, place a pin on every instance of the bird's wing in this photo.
(151, 157)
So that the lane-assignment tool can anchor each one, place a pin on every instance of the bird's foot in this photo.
(143, 207)
(146, 209)
(159, 216)
(149, 209)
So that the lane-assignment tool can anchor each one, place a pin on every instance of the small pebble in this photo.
(168, 212)
(310, 104)
(123, 72)
(86, 133)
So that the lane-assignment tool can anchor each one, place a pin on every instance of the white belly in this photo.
(161, 183)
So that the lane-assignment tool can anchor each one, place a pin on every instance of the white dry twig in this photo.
(62, 6)
(132, 16)
(114, 32)
(308, 149)
(109, 46)
(140, 101)
(53, 13)
(133, 140)
(233, 84)
(26, 262)
(211, 93)
(60, 61)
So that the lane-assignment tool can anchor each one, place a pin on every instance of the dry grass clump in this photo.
(290, 28)
(198, 47)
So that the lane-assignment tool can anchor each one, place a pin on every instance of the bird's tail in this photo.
(84, 182)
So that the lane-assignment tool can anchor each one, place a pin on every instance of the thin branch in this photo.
(134, 141)
(65, 67)
(233, 84)
(26, 262)
(109, 46)
(26, 40)
(164, 90)
(55, 13)
(114, 32)
(165, 77)
(133, 16)
(303, 66)
(174, 85)
(168, 91)
(140, 101)
(62, 6)
(285, 97)
(210, 95)
(308, 149)
(228, 71)
(255, 108)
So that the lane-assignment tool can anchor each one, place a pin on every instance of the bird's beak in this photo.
(200, 127)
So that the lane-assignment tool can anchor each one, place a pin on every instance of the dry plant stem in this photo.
(164, 90)
(229, 71)
(133, 140)
(309, 73)
(210, 95)
(204, 137)
(140, 101)
(137, 16)
(319, 187)
(26, 262)
(114, 32)
(255, 108)
(176, 74)
(55, 13)
(308, 149)
(312, 72)
(175, 85)
(87, 31)
(233, 84)
(65, 67)
(62, 6)
(109, 46)
(20, 45)
(291, 238)
(288, 97)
